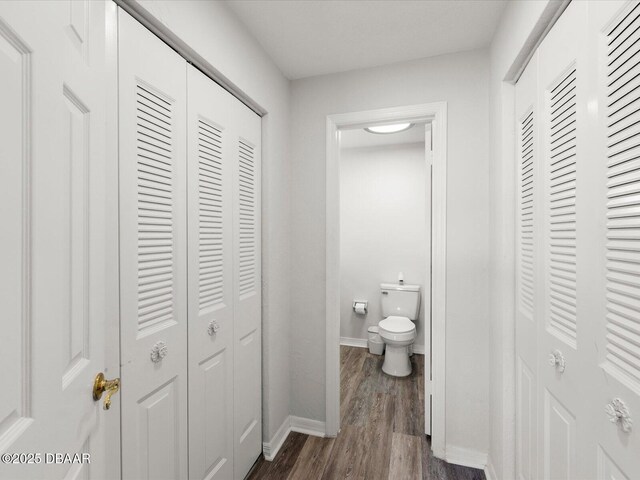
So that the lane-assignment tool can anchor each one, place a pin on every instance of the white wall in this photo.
(383, 229)
(461, 80)
(214, 32)
(519, 28)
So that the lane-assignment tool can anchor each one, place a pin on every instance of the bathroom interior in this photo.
(384, 260)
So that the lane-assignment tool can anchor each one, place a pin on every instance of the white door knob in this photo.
(213, 327)
(159, 351)
(619, 414)
(556, 359)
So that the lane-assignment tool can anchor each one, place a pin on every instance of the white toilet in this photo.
(400, 308)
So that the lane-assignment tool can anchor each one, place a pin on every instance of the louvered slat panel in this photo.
(247, 219)
(210, 200)
(527, 177)
(562, 207)
(623, 195)
(155, 208)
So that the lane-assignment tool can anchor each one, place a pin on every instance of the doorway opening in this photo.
(429, 121)
(385, 208)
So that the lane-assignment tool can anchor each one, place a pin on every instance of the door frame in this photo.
(436, 114)
(503, 236)
(112, 325)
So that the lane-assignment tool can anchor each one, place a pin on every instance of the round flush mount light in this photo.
(395, 128)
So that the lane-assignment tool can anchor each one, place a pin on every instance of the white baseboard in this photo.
(291, 424)
(354, 342)
(489, 471)
(419, 349)
(314, 428)
(270, 449)
(466, 457)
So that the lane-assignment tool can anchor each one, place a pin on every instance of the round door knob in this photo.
(159, 351)
(213, 327)
(619, 413)
(556, 359)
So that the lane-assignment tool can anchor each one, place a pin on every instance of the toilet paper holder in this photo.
(360, 303)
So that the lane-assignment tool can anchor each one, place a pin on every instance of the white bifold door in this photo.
(190, 263)
(578, 242)
(224, 282)
(153, 254)
(58, 267)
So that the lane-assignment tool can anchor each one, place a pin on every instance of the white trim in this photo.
(270, 449)
(466, 457)
(427, 288)
(354, 342)
(438, 281)
(506, 242)
(505, 232)
(308, 426)
(436, 113)
(291, 424)
(549, 17)
(490, 471)
(419, 349)
(160, 30)
(332, 301)
(113, 437)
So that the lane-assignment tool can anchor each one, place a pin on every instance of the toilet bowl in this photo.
(397, 333)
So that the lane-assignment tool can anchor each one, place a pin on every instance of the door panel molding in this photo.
(16, 188)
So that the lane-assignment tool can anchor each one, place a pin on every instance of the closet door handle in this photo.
(619, 414)
(159, 351)
(213, 328)
(556, 359)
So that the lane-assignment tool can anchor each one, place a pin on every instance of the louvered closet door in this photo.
(211, 321)
(588, 342)
(247, 289)
(562, 87)
(153, 261)
(225, 425)
(528, 178)
(613, 304)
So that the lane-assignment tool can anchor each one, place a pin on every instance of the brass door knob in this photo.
(101, 385)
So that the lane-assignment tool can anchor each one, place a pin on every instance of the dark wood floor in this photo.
(380, 436)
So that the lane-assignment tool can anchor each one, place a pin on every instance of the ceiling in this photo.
(316, 37)
(358, 137)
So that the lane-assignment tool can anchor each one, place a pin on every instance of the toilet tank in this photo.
(400, 300)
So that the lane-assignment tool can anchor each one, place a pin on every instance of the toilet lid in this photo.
(397, 324)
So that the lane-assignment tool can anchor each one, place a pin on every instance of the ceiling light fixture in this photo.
(395, 128)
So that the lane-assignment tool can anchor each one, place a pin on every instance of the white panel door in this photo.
(528, 180)
(153, 255)
(54, 281)
(246, 144)
(210, 206)
(562, 85)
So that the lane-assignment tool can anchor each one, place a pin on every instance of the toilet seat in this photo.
(395, 324)
(397, 328)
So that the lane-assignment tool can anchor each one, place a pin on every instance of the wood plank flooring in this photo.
(382, 419)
